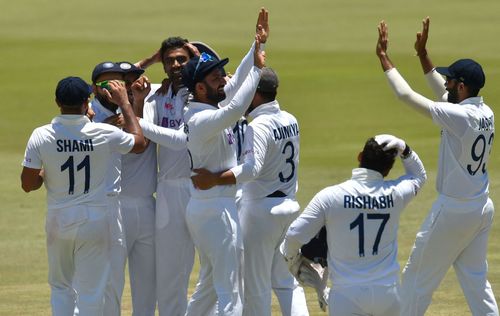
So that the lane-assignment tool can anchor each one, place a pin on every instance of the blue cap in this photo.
(105, 67)
(465, 70)
(199, 67)
(72, 91)
(130, 68)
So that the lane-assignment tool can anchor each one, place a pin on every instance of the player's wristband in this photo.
(406, 153)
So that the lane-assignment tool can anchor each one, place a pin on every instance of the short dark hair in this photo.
(173, 42)
(268, 96)
(374, 157)
(473, 91)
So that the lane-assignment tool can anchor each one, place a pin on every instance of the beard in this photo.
(453, 94)
(106, 103)
(215, 95)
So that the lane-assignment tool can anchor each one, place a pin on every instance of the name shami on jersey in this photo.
(74, 145)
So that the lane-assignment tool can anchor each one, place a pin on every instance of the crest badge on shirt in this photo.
(170, 107)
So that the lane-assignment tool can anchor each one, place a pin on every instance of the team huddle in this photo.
(209, 161)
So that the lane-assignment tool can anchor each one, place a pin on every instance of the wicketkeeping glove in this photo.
(391, 142)
(314, 275)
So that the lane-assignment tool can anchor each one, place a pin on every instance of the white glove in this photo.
(314, 275)
(391, 142)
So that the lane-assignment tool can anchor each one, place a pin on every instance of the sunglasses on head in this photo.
(105, 84)
(204, 57)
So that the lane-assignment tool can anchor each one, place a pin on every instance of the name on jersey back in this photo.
(288, 131)
(74, 145)
(368, 201)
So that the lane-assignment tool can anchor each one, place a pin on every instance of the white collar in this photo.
(71, 119)
(272, 107)
(366, 174)
(473, 100)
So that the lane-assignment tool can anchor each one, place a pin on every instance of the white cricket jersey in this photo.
(270, 153)
(168, 111)
(467, 131)
(134, 174)
(115, 168)
(211, 141)
(76, 156)
(361, 217)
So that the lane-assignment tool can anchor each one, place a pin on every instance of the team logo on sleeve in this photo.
(230, 138)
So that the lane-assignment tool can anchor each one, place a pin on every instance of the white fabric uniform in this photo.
(461, 217)
(135, 179)
(138, 210)
(361, 216)
(211, 215)
(270, 157)
(118, 248)
(174, 247)
(77, 157)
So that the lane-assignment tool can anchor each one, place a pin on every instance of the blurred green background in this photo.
(323, 51)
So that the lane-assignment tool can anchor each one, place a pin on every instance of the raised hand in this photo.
(383, 39)
(262, 26)
(259, 57)
(421, 41)
(117, 93)
(389, 142)
(141, 88)
(193, 49)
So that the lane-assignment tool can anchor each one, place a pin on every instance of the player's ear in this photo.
(57, 102)
(200, 88)
(360, 156)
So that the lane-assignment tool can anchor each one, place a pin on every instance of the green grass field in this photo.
(331, 80)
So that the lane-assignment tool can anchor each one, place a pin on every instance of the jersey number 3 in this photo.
(289, 160)
(70, 165)
(359, 222)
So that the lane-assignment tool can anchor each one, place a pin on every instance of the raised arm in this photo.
(434, 79)
(118, 95)
(262, 30)
(415, 176)
(212, 122)
(148, 61)
(396, 81)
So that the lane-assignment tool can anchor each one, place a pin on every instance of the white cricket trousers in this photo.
(454, 233)
(174, 247)
(264, 224)
(214, 227)
(364, 300)
(78, 259)
(118, 258)
(139, 223)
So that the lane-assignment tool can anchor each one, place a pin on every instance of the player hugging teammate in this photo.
(229, 191)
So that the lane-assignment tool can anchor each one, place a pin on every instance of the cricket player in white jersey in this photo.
(174, 246)
(361, 216)
(269, 174)
(74, 159)
(456, 229)
(211, 215)
(135, 181)
(137, 204)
